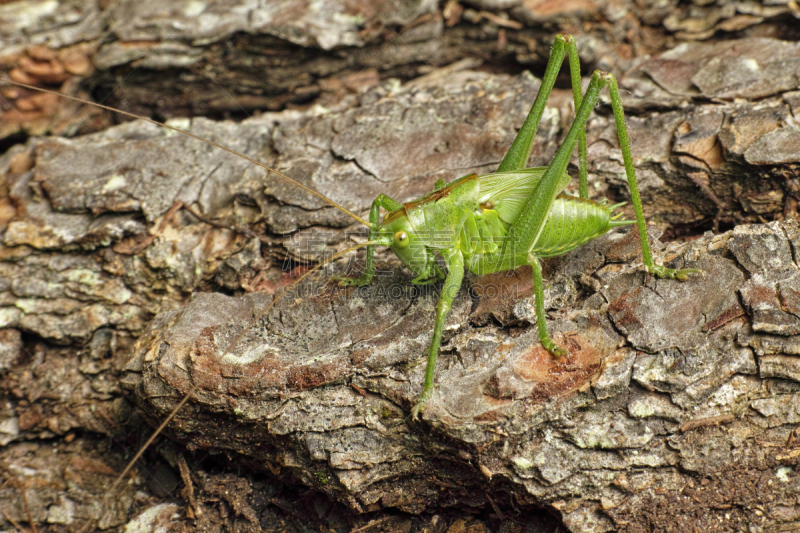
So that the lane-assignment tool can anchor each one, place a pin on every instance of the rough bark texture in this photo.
(677, 398)
(670, 385)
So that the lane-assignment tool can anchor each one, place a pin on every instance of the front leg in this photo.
(374, 223)
(433, 273)
(455, 273)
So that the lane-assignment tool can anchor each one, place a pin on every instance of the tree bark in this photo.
(677, 398)
(668, 385)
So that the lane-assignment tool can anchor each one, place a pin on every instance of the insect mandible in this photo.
(500, 221)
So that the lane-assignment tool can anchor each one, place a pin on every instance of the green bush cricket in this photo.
(499, 221)
(512, 217)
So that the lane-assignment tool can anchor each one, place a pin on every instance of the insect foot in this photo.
(420, 406)
(554, 348)
(681, 274)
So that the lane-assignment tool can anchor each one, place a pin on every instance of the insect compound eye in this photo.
(401, 239)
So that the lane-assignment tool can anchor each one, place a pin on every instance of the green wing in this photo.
(508, 191)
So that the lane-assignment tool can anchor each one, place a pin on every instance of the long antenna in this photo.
(261, 313)
(168, 419)
(264, 311)
(193, 136)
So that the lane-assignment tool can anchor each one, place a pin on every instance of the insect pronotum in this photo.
(499, 221)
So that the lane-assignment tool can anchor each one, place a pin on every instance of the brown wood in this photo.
(676, 411)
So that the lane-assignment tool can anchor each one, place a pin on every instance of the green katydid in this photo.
(512, 217)
(499, 221)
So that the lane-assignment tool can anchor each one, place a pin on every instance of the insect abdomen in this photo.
(573, 221)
